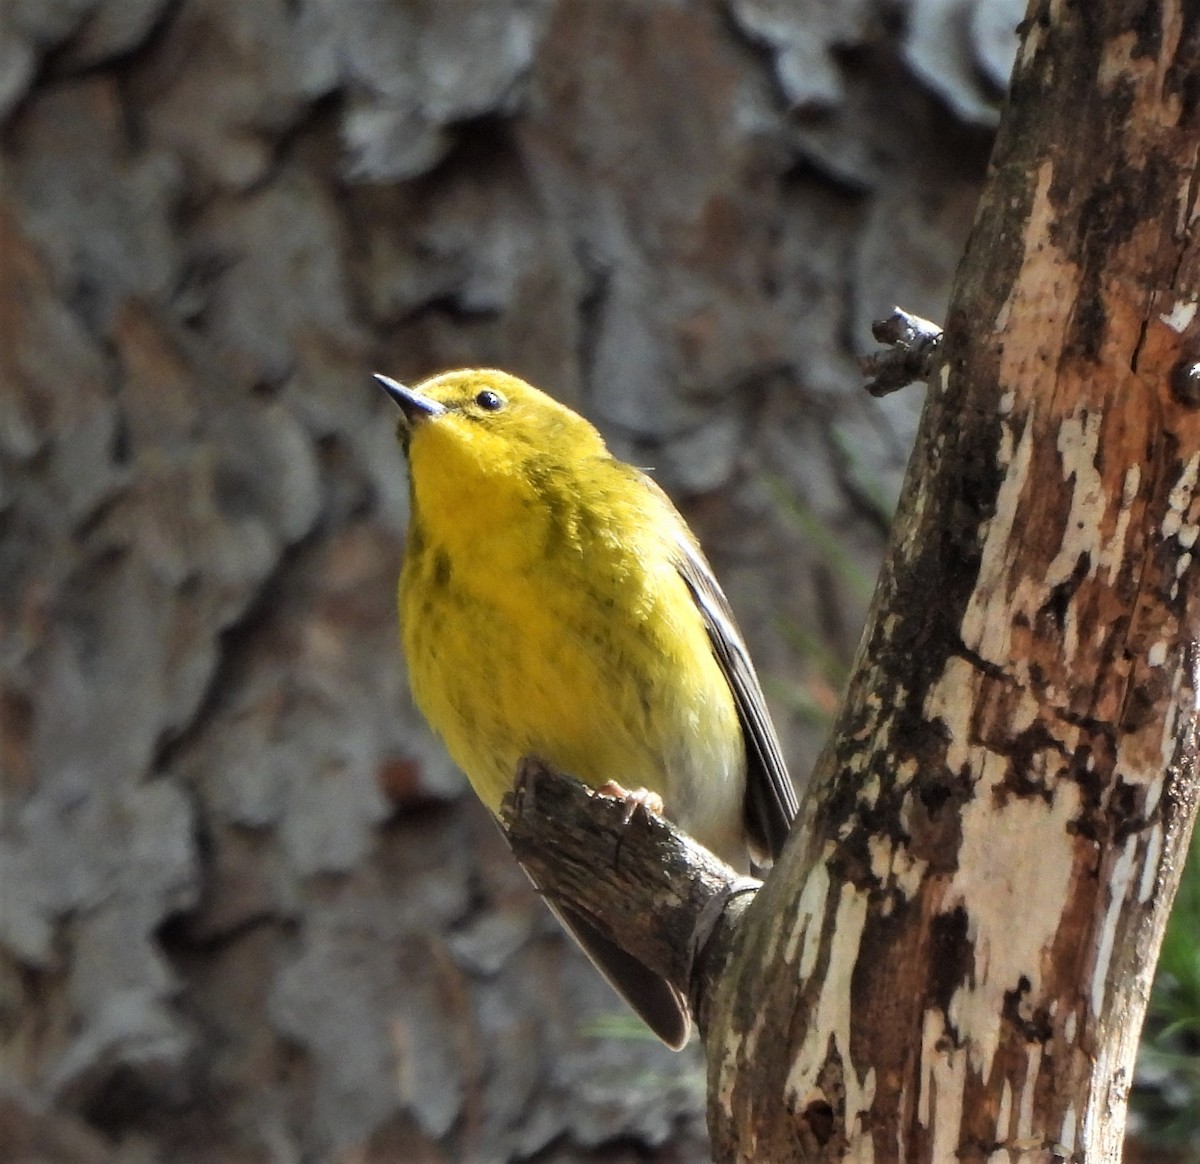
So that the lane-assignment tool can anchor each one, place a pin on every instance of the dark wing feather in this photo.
(661, 1007)
(771, 803)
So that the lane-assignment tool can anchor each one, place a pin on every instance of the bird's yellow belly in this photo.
(524, 670)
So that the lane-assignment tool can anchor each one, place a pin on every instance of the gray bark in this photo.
(247, 910)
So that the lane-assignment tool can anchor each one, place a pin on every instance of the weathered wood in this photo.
(958, 947)
(652, 889)
(914, 345)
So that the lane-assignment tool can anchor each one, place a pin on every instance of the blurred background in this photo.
(248, 910)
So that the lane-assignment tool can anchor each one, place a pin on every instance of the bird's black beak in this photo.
(415, 405)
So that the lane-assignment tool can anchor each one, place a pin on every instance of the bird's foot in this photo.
(633, 799)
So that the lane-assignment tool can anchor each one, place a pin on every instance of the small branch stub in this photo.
(913, 352)
(648, 887)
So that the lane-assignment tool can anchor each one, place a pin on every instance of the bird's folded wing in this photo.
(771, 803)
(662, 1008)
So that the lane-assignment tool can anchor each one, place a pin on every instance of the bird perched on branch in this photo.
(554, 603)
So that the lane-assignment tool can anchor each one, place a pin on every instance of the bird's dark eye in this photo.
(490, 400)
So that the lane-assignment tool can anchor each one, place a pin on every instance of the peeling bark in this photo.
(952, 959)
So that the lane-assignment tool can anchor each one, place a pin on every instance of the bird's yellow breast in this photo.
(536, 624)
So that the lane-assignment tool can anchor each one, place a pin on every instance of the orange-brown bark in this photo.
(953, 958)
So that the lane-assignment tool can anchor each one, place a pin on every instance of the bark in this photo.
(953, 957)
(248, 910)
(913, 353)
(660, 895)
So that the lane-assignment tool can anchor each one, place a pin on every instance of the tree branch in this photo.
(663, 898)
(913, 354)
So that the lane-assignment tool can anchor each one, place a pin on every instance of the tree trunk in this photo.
(952, 960)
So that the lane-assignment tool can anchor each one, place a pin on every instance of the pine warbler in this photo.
(554, 603)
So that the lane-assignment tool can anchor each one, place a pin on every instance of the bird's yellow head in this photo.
(478, 437)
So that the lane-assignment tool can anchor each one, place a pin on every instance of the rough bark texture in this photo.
(247, 911)
(958, 947)
(651, 889)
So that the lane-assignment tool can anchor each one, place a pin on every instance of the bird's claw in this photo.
(633, 799)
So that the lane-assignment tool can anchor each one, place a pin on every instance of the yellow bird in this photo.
(554, 603)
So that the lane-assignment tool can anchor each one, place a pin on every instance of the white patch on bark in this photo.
(1019, 862)
(1154, 844)
(1033, 1066)
(1004, 1112)
(800, 951)
(1168, 742)
(1154, 791)
(1068, 1135)
(1180, 498)
(1041, 294)
(895, 866)
(830, 1024)
(984, 630)
(943, 1080)
(1118, 890)
(1078, 442)
(1113, 552)
(1108, 1095)
(734, 1051)
(1082, 539)
(1116, 64)
(1031, 43)
(951, 700)
(1180, 317)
